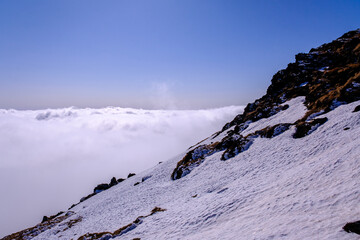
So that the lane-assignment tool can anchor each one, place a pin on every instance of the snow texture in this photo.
(280, 188)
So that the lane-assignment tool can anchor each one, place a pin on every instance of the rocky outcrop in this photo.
(305, 128)
(105, 186)
(328, 76)
(232, 144)
(192, 159)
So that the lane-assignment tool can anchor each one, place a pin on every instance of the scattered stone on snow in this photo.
(357, 108)
(120, 180)
(130, 175)
(353, 227)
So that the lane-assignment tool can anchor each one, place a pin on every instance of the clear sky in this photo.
(156, 54)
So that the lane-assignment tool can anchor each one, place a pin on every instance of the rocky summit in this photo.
(328, 76)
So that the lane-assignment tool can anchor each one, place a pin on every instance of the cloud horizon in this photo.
(53, 157)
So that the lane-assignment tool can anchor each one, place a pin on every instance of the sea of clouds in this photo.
(49, 159)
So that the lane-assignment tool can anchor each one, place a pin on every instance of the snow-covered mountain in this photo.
(288, 167)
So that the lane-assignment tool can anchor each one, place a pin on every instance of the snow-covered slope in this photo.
(287, 168)
(280, 188)
(79, 148)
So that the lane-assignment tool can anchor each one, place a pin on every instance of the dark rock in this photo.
(233, 143)
(352, 227)
(88, 196)
(191, 159)
(263, 110)
(157, 209)
(73, 205)
(120, 180)
(137, 183)
(347, 128)
(357, 108)
(235, 147)
(145, 178)
(113, 182)
(101, 187)
(273, 131)
(56, 215)
(130, 175)
(305, 128)
(45, 218)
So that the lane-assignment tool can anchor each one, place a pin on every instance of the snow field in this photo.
(280, 188)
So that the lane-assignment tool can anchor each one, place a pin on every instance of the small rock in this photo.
(88, 196)
(113, 182)
(101, 187)
(352, 227)
(131, 174)
(120, 180)
(136, 183)
(45, 218)
(72, 206)
(357, 108)
(145, 178)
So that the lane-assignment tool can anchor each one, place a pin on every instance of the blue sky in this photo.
(156, 54)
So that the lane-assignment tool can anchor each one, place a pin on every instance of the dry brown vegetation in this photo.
(120, 231)
(41, 227)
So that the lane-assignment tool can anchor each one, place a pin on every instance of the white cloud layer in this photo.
(49, 159)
